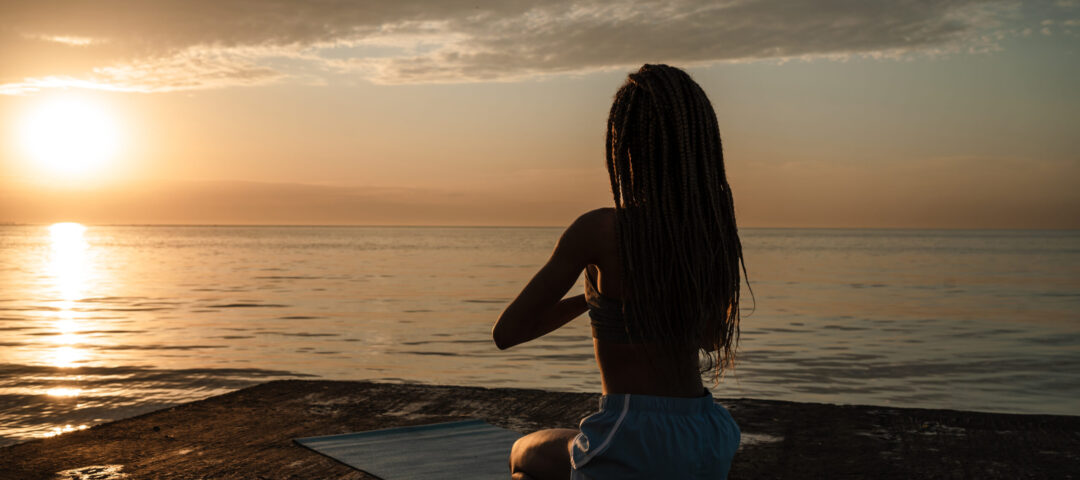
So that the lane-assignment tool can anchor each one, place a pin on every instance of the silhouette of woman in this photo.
(663, 270)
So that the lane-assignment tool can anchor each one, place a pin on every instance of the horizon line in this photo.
(344, 225)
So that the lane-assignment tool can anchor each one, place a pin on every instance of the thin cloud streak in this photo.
(168, 45)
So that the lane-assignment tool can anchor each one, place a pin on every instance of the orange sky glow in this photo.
(883, 115)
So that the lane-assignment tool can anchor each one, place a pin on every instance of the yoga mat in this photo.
(467, 449)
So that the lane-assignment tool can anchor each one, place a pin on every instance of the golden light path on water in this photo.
(69, 269)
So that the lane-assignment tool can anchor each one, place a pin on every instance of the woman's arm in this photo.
(541, 324)
(540, 307)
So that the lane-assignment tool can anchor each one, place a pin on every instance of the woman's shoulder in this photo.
(599, 218)
(593, 224)
(591, 236)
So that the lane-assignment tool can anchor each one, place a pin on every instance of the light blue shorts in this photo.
(643, 436)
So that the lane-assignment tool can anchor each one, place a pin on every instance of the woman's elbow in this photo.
(502, 340)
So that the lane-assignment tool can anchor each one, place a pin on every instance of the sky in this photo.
(833, 114)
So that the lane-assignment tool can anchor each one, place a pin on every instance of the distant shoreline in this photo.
(540, 227)
(248, 434)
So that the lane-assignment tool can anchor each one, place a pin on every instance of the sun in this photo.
(69, 135)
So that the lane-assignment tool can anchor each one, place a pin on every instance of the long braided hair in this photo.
(675, 219)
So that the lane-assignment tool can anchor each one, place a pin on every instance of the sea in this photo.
(105, 322)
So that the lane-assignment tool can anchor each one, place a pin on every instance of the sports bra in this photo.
(606, 315)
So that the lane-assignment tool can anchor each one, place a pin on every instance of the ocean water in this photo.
(105, 322)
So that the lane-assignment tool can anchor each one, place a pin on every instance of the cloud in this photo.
(193, 68)
(167, 45)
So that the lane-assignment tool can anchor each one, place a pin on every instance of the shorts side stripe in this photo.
(607, 439)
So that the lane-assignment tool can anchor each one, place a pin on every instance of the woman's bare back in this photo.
(627, 368)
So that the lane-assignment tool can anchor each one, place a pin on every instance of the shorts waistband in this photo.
(650, 403)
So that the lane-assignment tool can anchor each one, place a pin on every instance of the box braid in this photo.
(675, 219)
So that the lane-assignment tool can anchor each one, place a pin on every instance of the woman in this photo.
(662, 272)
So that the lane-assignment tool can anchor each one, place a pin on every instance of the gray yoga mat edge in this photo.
(361, 450)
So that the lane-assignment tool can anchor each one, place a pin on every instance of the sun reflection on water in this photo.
(69, 263)
(69, 270)
(63, 392)
(66, 357)
(64, 429)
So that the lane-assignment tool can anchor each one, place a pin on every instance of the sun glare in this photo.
(69, 136)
